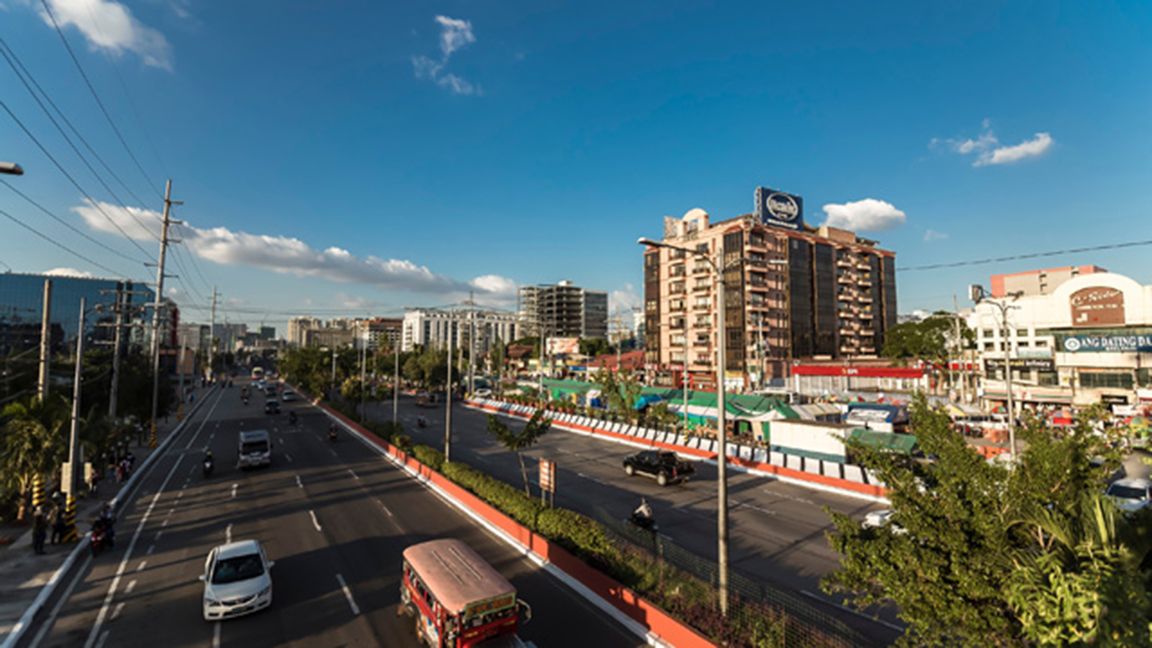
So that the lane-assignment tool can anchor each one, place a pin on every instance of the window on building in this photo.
(1041, 344)
(1144, 377)
(1105, 380)
(986, 333)
(989, 346)
(1047, 378)
(1020, 333)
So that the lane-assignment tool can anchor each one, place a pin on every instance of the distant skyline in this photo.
(359, 159)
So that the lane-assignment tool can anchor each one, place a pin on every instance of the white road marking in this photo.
(299, 483)
(216, 635)
(142, 565)
(164, 523)
(118, 610)
(103, 638)
(333, 453)
(353, 473)
(386, 509)
(95, 635)
(131, 586)
(151, 548)
(228, 534)
(315, 522)
(288, 456)
(234, 487)
(51, 620)
(158, 534)
(281, 439)
(348, 595)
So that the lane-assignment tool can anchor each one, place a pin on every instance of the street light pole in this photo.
(74, 433)
(396, 382)
(978, 294)
(718, 268)
(448, 392)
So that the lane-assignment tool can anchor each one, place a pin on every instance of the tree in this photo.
(969, 551)
(518, 442)
(33, 444)
(593, 347)
(621, 392)
(932, 339)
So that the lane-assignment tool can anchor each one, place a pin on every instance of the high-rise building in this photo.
(298, 328)
(792, 292)
(432, 328)
(1038, 282)
(563, 310)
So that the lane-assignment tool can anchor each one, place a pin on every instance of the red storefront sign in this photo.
(862, 372)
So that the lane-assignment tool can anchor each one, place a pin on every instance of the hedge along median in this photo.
(823, 482)
(676, 608)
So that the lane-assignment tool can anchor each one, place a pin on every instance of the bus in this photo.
(457, 599)
(257, 373)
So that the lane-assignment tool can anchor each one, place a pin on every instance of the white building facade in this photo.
(1088, 341)
(432, 328)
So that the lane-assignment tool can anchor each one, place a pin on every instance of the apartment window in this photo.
(678, 339)
(1020, 333)
(676, 357)
(989, 346)
(987, 333)
(1047, 378)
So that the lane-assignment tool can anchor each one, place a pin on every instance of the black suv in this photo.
(664, 466)
(272, 406)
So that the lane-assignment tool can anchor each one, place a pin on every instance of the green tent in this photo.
(890, 441)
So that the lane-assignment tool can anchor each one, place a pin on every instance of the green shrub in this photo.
(503, 496)
(430, 457)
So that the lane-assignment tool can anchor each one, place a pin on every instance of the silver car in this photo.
(1131, 494)
(237, 580)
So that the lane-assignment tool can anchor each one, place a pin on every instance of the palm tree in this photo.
(520, 441)
(33, 444)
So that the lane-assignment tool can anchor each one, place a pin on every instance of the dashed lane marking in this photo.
(299, 484)
(131, 586)
(234, 487)
(118, 610)
(353, 473)
(348, 595)
(151, 548)
(142, 565)
(315, 522)
(228, 535)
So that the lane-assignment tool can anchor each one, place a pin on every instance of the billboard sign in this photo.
(563, 345)
(1097, 306)
(1041, 364)
(779, 208)
(1111, 343)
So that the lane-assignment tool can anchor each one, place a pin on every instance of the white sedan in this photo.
(237, 580)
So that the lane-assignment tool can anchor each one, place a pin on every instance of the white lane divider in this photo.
(142, 565)
(315, 522)
(131, 586)
(228, 535)
(353, 473)
(288, 456)
(151, 548)
(386, 509)
(234, 487)
(299, 483)
(118, 610)
(348, 595)
(103, 638)
(216, 635)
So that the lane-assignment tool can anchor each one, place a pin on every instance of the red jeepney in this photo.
(457, 598)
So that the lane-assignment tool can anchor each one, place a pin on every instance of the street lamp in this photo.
(11, 168)
(978, 294)
(718, 269)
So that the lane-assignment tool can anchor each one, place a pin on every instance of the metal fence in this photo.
(804, 620)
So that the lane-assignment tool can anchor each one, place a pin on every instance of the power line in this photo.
(70, 178)
(72, 144)
(66, 223)
(96, 96)
(110, 271)
(1033, 255)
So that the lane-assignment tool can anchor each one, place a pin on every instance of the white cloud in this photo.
(68, 272)
(989, 150)
(455, 34)
(1038, 145)
(110, 26)
(933, 235)
(292, 256)
(623, 299)
(868, 215)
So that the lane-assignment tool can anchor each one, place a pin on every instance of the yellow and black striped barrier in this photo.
(37, 492)
(152, 441)
(70, 534)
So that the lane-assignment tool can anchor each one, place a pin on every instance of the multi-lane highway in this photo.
(777, 528)
(333, 516)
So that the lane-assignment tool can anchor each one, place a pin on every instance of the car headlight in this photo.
(211, 601)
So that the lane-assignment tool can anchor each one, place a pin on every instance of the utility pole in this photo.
(721, 437)
(74, 434)
(471, 344)
(117, 342)
(363, 377)
(960, 369)
(45, 342)
(396, 379)
(448, 391)
(212, 335)
(168, 202)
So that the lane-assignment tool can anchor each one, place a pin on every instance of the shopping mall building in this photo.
(1083, 338)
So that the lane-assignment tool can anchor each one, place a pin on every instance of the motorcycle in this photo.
(644, 522)
(245, 399)
(101, 537)
(292, 418)
(421, 422)
(332, 434)
(209, 466)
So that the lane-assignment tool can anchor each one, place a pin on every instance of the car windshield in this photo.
(231, 570)
(253, 446)
(1127, 492)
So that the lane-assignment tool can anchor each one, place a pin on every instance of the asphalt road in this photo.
(776, 528)
(326, 512)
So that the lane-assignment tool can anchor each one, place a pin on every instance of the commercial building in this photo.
(1038, 282)
(298, 328)
(381, 332)
(1088, 340)
(793, 292)
(563, 310)
(433, 327)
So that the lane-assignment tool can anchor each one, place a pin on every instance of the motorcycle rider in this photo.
(107, 525)
(292, 418)
(642, 516)
(421, 421)
(209, 461)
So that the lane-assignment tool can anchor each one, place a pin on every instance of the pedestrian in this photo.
(120, 473)
(39, 531)
(58, 526)
(131, 460)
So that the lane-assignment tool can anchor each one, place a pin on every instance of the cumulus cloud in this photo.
(68, 272)
(455, 34)
(933, 235)
(989, 150)
(289, 255)
(867, 215)
(109, 26)
(624, 299)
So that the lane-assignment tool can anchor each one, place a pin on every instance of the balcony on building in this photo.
(865, 298)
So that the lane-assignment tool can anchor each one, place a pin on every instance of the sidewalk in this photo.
(23, 573)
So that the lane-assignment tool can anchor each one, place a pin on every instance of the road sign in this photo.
(548, 479)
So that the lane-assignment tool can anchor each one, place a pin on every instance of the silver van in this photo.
(255, 448)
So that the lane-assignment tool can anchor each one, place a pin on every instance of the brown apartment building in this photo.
(793, 293)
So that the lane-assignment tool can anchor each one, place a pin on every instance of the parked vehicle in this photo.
(237, 580)
(1131, 494)
(663, 466)
(457, 599)
(288, 395)
(255, 448)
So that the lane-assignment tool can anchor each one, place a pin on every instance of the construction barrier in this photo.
(70, 532)
(37, 492)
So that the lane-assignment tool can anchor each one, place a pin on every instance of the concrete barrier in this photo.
(812, 466)
(832, 469)
(854, 474)
(776, 458)
(793, 462)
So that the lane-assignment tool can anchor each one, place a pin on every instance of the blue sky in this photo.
(365, 156)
